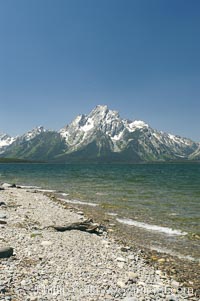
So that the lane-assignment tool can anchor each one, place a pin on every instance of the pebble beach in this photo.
(45, 264)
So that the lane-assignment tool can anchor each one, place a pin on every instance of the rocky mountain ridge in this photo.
(100, 136)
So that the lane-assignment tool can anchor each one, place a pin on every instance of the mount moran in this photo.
(101, 136)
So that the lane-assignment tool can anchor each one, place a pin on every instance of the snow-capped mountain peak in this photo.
(33, 133)
(84, 127)
(99, 109)
(101, 113)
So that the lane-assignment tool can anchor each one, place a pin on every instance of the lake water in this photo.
(157, 199)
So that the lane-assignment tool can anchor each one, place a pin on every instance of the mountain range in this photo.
(101, 136)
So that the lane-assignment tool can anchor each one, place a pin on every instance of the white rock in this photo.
(132, 275)
(23, 282)
(120, 265)
(46, 243)
(121, 259)
(2, 215)
(175, 283)
(121, 284)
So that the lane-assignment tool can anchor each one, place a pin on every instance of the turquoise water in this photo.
(165, 195)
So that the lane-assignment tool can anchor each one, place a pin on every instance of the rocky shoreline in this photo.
(183, 270)
(72, 265)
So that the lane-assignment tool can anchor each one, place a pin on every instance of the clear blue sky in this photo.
(59, 58)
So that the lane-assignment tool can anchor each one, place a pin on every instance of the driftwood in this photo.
(87, 226)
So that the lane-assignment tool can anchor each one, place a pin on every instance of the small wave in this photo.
(165, 230)
(173, 214)
(29, 187)
(174, 253)
(64, 194)
(101, 193)
(79, 202)
(46, 190)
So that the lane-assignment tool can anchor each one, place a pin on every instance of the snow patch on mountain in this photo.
(137, 124)
(88, 126)
(118, 136)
